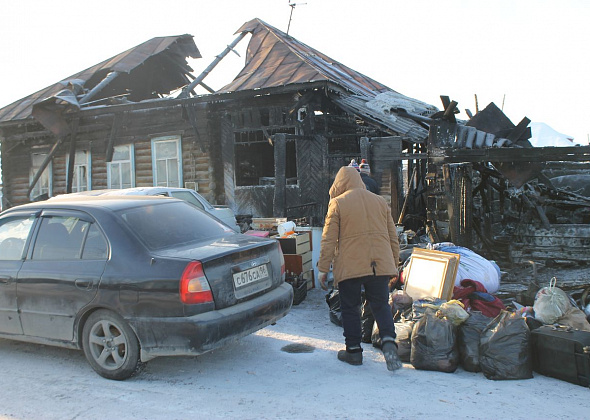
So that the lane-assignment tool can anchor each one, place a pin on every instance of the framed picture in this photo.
(431, 274)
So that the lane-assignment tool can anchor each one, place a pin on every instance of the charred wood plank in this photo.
(72, 156)
(118, 118)
(280, 156)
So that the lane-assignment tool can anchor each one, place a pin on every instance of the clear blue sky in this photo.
(531, 55)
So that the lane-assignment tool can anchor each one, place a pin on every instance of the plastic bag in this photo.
(333, 301)
(403, 338)
(504, 351)
(434, 345)
(420, 306)
(468, 337)
(453, 311)
(473, 266)
(401, 304)
(551, 303)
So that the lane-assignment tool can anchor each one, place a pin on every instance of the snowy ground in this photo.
(255, 379)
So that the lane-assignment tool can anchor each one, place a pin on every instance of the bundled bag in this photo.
(434, 344)
(551, 303)
(401, 304)
(403, 335)
(403, 339)
(504, 350)
(420, 306)
(453, 311)
(474, 296)
(468, 337)
(333, 301)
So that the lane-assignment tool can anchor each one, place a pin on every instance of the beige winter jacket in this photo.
(359, 236)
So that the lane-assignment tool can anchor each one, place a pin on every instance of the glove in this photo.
(323, 278)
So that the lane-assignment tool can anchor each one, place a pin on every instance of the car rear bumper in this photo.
(204, 332)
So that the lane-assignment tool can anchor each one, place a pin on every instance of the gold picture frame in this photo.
(431, 273)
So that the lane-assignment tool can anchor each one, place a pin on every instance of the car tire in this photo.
(110, 346)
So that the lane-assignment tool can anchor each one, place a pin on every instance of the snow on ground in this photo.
(254, 379)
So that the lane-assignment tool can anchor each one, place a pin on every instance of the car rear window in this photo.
(170, 224)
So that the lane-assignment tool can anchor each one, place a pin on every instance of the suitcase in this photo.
(562, 352)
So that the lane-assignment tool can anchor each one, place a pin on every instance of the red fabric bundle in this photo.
(475, 297)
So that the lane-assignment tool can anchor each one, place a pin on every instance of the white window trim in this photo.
(177, 139)
(88, 169)
(49, 169)
(131, 164)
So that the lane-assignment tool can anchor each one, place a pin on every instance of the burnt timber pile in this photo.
(526, 207)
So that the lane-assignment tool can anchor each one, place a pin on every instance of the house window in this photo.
(81, 180)
(255, 160)
(166, 165)
(121, 171)
(43, 184)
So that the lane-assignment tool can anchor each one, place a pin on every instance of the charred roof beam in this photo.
(198, 81)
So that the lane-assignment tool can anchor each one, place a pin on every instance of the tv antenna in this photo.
(292, 5)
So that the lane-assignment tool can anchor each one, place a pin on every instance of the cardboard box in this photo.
(298, 243)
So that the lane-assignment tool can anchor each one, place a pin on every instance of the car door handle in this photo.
(84, 284)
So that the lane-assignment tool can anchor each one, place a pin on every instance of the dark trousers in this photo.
(377, 294)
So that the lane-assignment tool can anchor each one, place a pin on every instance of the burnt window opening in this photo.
(264, 117)
(349, 145)
(255, 159)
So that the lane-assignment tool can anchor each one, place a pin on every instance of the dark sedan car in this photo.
(128, 279)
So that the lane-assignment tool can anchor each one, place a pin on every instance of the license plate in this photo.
(252, 275)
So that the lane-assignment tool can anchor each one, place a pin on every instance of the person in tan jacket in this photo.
(359, 241)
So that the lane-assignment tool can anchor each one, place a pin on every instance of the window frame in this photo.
(131, 161)
(165, 139)
(47, 173)
(77, 166)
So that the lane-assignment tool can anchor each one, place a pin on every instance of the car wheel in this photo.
(110, 346)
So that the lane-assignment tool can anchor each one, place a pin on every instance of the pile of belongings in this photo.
(439, 335)
(553, 306)
(474, 330)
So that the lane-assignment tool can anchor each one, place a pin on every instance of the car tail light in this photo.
(282, 261)
(194, 287)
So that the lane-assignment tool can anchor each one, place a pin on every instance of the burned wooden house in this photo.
(267, 144)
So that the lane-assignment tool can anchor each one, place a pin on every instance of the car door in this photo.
(15, 230)
(61, 273)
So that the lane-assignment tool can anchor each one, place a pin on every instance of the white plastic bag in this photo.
(551, 303)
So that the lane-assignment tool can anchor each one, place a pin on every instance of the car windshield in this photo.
(188, 197)
(169, 224)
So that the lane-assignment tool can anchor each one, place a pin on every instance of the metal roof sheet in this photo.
(276, 59)
(164, 58)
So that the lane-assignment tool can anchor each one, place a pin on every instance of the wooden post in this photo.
(72, 156)
(459, 202)
(279, 208)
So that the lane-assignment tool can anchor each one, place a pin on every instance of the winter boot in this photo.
(390, 352)
(352, 355)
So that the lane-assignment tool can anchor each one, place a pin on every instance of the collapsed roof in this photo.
(153, 68)
(274, 60)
